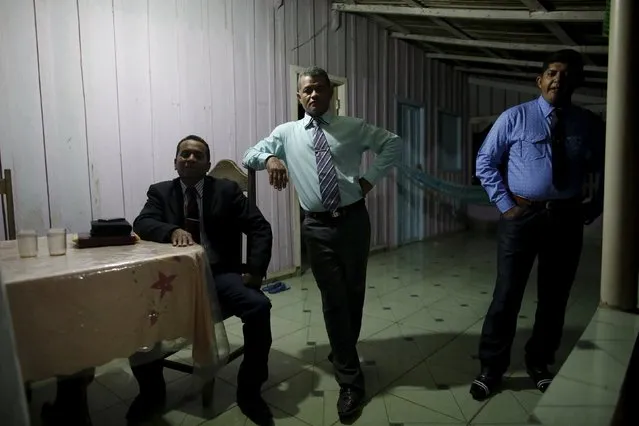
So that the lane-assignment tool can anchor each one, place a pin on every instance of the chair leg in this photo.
(207, 394)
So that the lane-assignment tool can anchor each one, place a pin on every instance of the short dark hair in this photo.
(570, 57)
(314, 72)
(195, 138)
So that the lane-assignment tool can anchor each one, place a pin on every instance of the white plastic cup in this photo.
(57, 241)
(27, 243)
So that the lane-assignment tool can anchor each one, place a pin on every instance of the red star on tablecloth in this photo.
(164, 284)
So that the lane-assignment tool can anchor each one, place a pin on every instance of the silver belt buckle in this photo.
(335, 214)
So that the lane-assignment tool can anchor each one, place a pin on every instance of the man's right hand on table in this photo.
(277, 173)
(181, 238)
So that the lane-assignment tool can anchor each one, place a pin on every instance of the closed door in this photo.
(410, 198)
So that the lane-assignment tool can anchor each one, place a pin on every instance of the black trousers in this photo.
(338, 251)
(254, 309)
(555, 236)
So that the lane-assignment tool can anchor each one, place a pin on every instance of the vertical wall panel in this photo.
(222, 78)
(322, 23)
(64, 113)
(101, 102)
(282, 217)
(131, 22)
(165, 86)
(21, 141)
(305, 42)
(193, 69)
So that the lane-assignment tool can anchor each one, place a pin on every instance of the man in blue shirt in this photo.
(532, 165)
(323, 153)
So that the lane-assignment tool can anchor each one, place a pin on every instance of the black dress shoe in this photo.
(55, 415)
(255, 408)
(484, 386)
(541, 376)
(350, 402)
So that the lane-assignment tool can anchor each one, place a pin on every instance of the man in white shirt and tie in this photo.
(323, 153)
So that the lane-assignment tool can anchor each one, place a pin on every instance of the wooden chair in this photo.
(224, 169)
(6, 189)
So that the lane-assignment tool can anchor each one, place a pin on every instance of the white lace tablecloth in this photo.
(94, 305)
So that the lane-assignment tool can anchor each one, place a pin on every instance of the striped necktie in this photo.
(325, 168)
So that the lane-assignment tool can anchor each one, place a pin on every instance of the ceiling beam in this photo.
(390, 25)
(517, 74)
(535, 64)
(492, 14)
(553, 27)
(523, 88)
(394, 26)
(442, 23)
(500, 45)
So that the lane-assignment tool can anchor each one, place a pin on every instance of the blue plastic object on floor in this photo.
(276, 287)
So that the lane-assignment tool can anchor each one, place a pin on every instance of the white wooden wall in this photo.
(96, 94)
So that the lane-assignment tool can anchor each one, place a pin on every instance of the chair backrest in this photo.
(228, 169)
(6, 189)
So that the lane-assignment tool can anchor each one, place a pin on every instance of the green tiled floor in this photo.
(423, 315)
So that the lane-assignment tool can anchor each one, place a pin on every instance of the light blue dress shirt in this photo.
(521, 139)
(348, 139)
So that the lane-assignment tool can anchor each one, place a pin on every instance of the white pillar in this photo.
(620, 256)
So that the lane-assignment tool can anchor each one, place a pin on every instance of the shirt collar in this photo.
(324, 119)
(199, 187)
(547, 109)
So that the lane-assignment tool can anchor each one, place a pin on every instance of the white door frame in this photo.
(342, 84)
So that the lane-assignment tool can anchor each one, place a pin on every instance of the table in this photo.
(93, 305)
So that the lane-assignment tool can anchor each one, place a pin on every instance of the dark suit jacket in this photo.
(226, 215)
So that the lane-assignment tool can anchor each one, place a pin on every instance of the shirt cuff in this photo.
(258, 162)
(505, 203)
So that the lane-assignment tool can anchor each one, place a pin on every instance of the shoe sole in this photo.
(350, 415)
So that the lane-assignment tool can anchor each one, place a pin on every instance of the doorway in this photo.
(411, 120)
(338, 107)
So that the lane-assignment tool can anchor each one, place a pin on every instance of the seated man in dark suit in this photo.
(199, 209)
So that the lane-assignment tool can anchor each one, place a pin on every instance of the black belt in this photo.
(338, 213)
(547, 204)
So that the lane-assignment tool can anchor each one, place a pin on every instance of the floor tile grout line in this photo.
(432, 409)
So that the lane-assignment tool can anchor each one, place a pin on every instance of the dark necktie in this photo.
(558, 149)
(329, 187)
(192, 222)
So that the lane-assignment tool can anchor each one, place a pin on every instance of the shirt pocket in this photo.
(534, 147)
